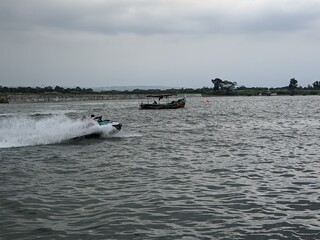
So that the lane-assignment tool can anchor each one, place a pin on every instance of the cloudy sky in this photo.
(176, 43)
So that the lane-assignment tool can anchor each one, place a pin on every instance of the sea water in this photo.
(221, 168)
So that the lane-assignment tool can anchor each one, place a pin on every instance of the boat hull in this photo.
(173, 105)
(102, 129)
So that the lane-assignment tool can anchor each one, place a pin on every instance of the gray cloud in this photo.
(158, 42)
(155, 17)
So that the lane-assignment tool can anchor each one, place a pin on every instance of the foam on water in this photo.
(27, 131)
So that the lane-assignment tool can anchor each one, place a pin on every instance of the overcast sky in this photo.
(175, 43)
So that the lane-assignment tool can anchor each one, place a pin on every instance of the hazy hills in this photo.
(130, 88)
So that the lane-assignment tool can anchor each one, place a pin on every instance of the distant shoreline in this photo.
(51, 98)
(60, 94)
(96, 96)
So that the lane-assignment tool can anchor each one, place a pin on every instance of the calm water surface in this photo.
(230, 168)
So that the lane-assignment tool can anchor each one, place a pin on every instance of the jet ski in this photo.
(96, 127)
(116, 125)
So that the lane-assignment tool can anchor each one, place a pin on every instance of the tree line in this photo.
(225, 87)
(48, 89)
(219, 88)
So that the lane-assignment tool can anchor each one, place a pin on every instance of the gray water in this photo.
(226, 168)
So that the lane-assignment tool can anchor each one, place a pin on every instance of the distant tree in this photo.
(228, 86)
(67, 90)
(217, 83)
(242, 87)
(58, 89)
(316, 85)
(5, 89)
(89, 90)
(293, 85)
(224, 86)
(48, 89)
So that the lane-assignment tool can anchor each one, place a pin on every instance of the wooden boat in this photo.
(162, 101)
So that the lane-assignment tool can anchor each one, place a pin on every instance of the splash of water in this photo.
(27, 131)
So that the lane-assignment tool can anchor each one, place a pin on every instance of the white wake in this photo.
(27, 131)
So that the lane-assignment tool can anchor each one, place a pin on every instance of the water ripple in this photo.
(237, 168)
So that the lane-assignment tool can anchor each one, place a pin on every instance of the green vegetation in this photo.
(3, 98)
(223, 87)
(219, 88)
(293, 85)
(48, 89)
